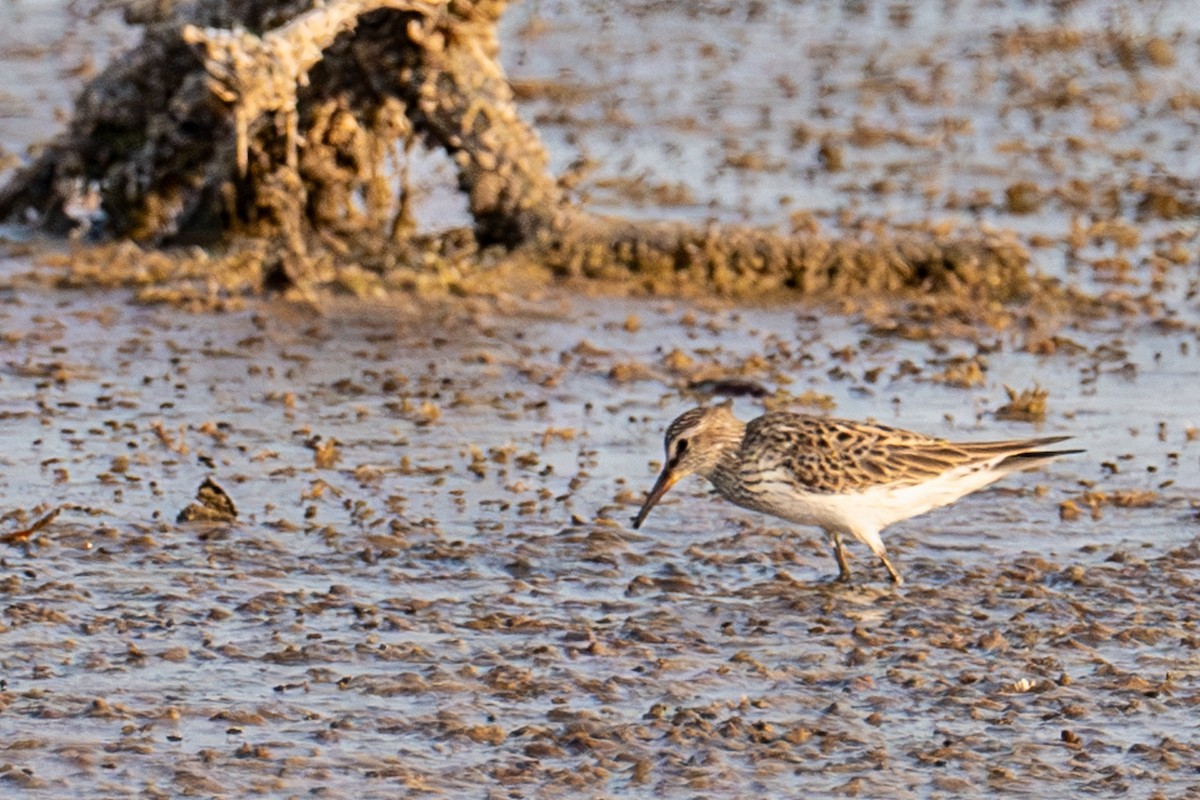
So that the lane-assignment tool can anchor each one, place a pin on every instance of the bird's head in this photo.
(695, 442)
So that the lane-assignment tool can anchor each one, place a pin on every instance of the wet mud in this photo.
(376, 541)
(420, 574)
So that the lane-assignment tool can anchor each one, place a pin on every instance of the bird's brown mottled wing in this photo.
(832, 455)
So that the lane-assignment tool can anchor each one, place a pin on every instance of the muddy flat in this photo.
(377, 547)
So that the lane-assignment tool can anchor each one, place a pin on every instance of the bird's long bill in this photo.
(666, 479)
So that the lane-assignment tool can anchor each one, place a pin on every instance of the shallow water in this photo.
(449, 598)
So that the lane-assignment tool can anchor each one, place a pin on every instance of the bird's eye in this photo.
(681, 448)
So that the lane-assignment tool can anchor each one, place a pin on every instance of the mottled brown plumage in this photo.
(836, 455)
(846, 477)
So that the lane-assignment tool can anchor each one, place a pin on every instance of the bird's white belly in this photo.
(843, 512)
(862, 513)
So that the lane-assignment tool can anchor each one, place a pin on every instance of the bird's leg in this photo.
(872, 540)
(839, 552)
(896, 579)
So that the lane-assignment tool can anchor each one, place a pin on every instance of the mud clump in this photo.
(212, 504)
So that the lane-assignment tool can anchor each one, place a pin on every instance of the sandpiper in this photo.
(845, 477)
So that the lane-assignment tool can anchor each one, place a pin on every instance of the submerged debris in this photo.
(728, 387)
(23, 535)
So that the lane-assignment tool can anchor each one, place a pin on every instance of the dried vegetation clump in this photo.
(1027, 405)
(276, 131)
